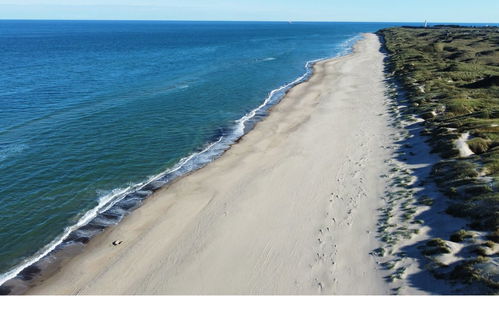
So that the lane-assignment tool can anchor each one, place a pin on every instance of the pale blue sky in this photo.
(475, 11)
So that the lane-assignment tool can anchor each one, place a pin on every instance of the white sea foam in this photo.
(105, 202)
(185, 165)
(273, 97)
(348, 44)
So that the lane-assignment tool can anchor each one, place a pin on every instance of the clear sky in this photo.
(475, 11)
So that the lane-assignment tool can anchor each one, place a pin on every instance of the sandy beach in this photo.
(290, 209)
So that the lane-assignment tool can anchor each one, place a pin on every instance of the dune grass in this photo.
(461, 235)
(435, 246)
(451, 76)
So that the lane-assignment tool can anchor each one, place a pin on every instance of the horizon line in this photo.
(251, 21)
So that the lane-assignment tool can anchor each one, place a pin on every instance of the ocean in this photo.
(97, 115)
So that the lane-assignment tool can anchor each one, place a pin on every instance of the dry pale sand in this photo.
(290, 209)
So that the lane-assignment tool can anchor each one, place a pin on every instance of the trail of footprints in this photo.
(390, 231)
(339, 218)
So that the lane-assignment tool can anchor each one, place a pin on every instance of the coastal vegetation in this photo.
(451, 77)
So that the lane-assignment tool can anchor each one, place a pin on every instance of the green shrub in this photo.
(446, 172)
(468, 272)
(489, 244)
(435, 246)
(479, 145)
(478, 189)
(460, 236)
(480, 250)
(458, 210)
(426, 200)
(459, 106)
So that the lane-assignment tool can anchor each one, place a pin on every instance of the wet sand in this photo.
(290, 209)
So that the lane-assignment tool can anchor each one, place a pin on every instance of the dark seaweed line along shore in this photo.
(451, 76)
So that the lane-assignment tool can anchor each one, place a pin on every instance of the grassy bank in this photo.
(451, 75)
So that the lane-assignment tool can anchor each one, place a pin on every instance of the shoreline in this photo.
(104, 216)
(190, 244)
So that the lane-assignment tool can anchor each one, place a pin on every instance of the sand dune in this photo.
(290, 209)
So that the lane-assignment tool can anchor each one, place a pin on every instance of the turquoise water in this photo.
(91, 112)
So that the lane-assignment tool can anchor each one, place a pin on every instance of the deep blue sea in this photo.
(96, 115)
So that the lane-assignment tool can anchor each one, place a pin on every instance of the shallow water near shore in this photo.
(98, 115)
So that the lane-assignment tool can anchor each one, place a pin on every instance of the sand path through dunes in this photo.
(290, 209)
